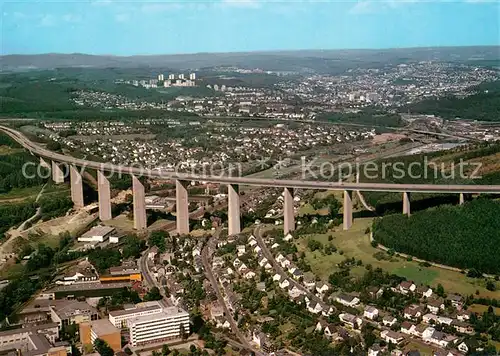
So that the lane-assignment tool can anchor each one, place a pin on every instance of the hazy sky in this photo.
(164, 27)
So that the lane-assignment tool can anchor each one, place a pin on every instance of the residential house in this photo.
(314, 307)
(424, 291)
(243, 268)
(249, 275)
(263, 261)
(435, 305)
(284, 283)
(389, 320)
(407, 328)
(463, 315)
(375, 350)
(275, 245)
(309, 283)
(321, 287)
(427, 318)
(285, 263)
(462, 327)
(297, 274)
(277, 277)
(241, 250)
(153, 251)
(406, 287)
(427, 333)
(328, 329)
(419, 330)
(414, 311)
(351, 320)
(370, 312)
(456, 300)
(347, 300)
(469, 345)
(237, 262)
(288, 237)
(294, 292)
(375, 292)
(280, 258)
(392, 336)
(442, 339)
(257, 250)
(217, 261)
(327, 311)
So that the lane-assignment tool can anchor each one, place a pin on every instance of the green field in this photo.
(355, 243)
(418, 275)
(32, 192)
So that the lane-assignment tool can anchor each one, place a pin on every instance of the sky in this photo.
(168, 27)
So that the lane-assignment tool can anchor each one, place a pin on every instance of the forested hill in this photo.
(466, 236)
(483, 105)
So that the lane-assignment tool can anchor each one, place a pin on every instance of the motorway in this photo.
(278, 269)
(205, 258)
(261, 182)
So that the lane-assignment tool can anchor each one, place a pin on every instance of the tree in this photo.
(490, 285)
(158, 239)
(103, 348)
(153, 294)
(165, 350)
(440, 290)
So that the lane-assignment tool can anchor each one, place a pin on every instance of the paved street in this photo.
(206, 257)
(277, 267)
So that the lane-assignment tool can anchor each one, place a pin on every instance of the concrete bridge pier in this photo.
(462, 199)
(182, 207)
(76, 187)
(347, 209)
(140, 220)
(44, 163)
(233, 213)
(104, 195)
(406, 203)
(288, 213)
(57, 173)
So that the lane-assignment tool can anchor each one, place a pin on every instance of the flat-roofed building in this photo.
(126, 272)
(100, 329)
(171, 323)
(97, 234)
(67, 312)
(119, 318)
(32, 341)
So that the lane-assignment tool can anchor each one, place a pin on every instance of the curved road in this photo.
(205, 258)
(261, 182)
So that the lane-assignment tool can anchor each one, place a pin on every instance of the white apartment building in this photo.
(169, 324)
(119, 318)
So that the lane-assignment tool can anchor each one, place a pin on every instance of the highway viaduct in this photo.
(182, 180)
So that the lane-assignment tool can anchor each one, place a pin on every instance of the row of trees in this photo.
(457, 236)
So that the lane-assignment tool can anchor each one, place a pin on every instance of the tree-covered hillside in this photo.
(484, 105)
(466, 236)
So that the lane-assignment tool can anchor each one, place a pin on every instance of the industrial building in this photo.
(97, 234)
(171, 323)
(34, 341)
(126, 272)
